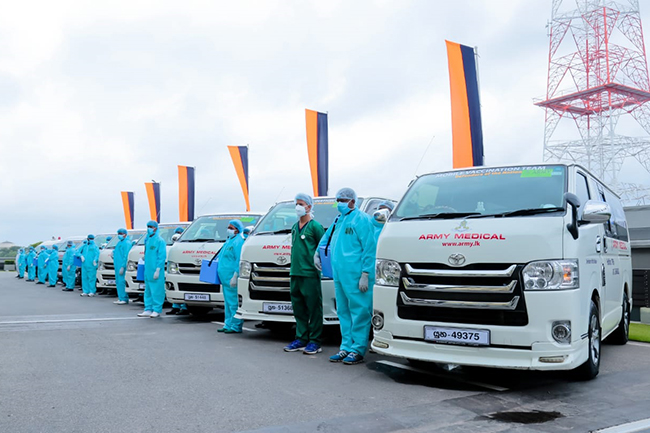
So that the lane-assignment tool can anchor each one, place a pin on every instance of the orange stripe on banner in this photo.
(152, 200)
(182, 193)
(239, 168)
(127, 210)
(460, 125)
(312, 146)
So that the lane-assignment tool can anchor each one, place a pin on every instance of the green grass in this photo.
(640, 332)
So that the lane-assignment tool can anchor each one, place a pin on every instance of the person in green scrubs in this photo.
(306, 294)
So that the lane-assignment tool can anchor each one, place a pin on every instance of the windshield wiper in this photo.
(199, 240)
(276, 232)
(532, 211)
(441, 215)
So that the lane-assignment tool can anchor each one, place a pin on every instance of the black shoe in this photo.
(183, 313)
(173, 311)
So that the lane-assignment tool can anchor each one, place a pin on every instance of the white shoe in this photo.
(83, 294)
(120, 302)
(91, 294)
(154, 315)
(145, 314)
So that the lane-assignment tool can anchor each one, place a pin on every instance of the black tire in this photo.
(590, 368)
(622, 333)
(279, 327)
(199, 311)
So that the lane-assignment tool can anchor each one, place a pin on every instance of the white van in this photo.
(166, 231)
(263, 285)
(105, 267)
(524, 267)
(201, 241)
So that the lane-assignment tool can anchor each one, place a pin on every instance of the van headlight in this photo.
(551, 275)
(131, 266)
(244, 269)
(172, 268)
(101, 266)
(388, 272)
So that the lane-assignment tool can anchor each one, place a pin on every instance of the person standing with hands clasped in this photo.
(155, 254)
(306, 293)
(353, 251)
(228, 270)
(120, 256)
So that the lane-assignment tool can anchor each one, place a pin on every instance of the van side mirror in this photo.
(596, 212)
(382, 215)
(175, 237)
(574, 201)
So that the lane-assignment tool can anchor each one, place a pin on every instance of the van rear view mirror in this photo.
(596, 212)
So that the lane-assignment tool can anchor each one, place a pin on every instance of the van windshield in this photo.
(165, 232)
(213, 228)
(485, 192)
(282, 217)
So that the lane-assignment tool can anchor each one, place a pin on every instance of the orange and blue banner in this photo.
(129, 209)
(318, 151)
(467, 131)
(153, 195)
(239, 156)
(185, 193)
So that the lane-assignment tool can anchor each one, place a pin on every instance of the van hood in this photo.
(268, 249)
(194, 253)
(489, 240)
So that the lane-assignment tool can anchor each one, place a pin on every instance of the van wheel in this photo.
(622, 333)
(199, 311)
(590, 368)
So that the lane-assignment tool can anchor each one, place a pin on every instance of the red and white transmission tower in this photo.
(597, 74)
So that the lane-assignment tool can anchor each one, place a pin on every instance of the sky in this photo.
(100, 97)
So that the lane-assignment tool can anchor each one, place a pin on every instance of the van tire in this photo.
(590, 368)
(199, 311)
(622, 333)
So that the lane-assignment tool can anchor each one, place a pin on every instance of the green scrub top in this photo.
(303, 247)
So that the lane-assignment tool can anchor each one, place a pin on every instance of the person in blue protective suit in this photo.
(378, 219)
(43, 257)
(68, 269)
(155, 254)
(21, 263)
(247, 232)
(120, 257)
(31, 269)
(53, 266)
(228, 272)
(89, 261)
(178, 309)
(353, 252)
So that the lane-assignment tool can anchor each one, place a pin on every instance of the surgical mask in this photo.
(231, 233)
(150, 231)
(342, 208)
(300, 211)
(90, 241)
(121, 237)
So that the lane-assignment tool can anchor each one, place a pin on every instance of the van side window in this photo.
(617, 221)
(372, 206)
(582, 189)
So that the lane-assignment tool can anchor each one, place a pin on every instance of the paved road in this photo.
(73, 364)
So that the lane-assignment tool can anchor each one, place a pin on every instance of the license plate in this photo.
(110, 282)
(197, 297)
(468, 337)
(277, 308)
(141, 286)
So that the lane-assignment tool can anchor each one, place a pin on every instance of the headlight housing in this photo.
(388, 272)
(244, 269)
(551, 275)
(101, 266)
(172, 268)
(132, 266)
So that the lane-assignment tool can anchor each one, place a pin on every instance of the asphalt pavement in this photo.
(76, 364)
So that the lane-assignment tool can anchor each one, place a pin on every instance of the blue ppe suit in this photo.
(53, 267)
(378, 228)
(22, 261)
(31, 269)
(353, 251)
(67, 268)
(228, 266)
(42, 268)
(120, 257)
(90, 253)
(155, 254)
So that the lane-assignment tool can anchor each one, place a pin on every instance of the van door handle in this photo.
(598, 244)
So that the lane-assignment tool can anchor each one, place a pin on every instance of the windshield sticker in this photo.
(247, 219)
(531, 171)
